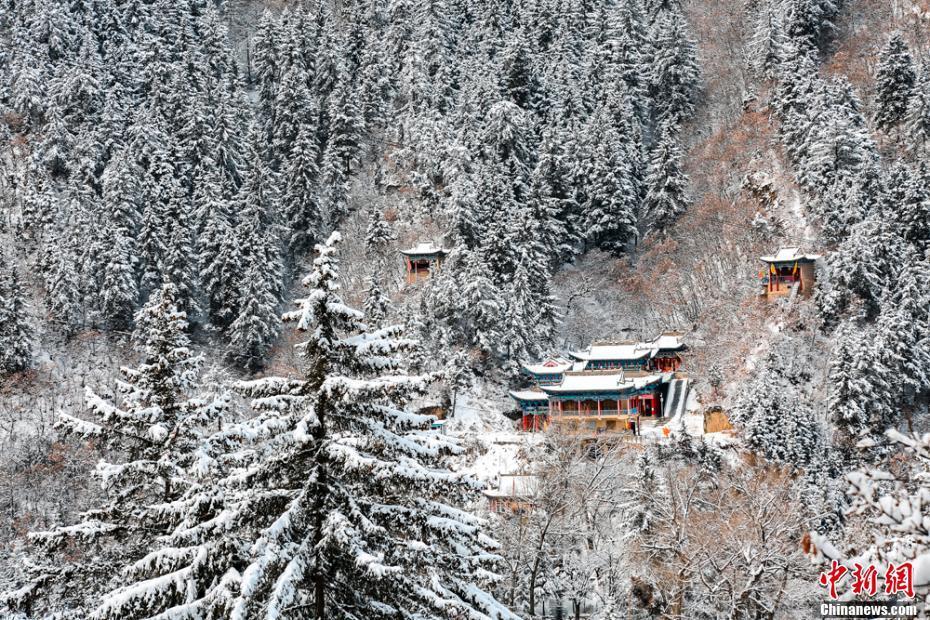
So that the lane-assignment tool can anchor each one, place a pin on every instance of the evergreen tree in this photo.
(918, 113)
(767, 40)
(465, 298)
(377, 303)
(254, 330)
(15, 331)
(339, 503)
(857, 271)
(256, 324)
(458, 376)
(774, 417)
(905, 203)
(811, 22)
(554, 200)
(611, 188)
(378, 234)
(119, 289)
(894, 83)
(300, 201)
(153, 451)
(901, 347)
(858, 395)
(218, 253)
(837, 140)
(666, 183)
(268, 67)
(62, 280)
(675, 75)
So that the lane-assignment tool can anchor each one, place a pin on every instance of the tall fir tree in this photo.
(16, 334)
(894, 83)
(300, 199)
(119, 289)
(675, 73)
(152, 445)
(666, 183)
(339, 505)
(256, 325)
(611, 187)
(917, 121)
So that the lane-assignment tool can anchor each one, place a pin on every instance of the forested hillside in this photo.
(217, 381)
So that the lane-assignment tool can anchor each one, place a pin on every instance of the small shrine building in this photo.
(422, 260)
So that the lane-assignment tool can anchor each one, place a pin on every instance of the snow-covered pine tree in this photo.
(179, 264)
(218, 252)
(267, 61)
(378, 234)
(666, 183)
(257, 324)
(15, 330)
(466, 299)
(255, 328)
(151, 443)
(629, 49)
(856, 272)
(553, 200)
(62, 280)
(772, 413)
(300, 201)
(859, 393)
(905, 203)
(918, 113)
(343, 150)
(894, 83)
(611, 187)
(364, 448)
(119, 290)
(835, 139)
(767, 39)
(811, 22)
(338, 505)
(675, 74)
(377, 303)
(458, 377)
(901, 350)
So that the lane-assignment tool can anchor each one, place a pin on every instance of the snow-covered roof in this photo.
(601, 381)
(615, 351)
(515, 485)
(669, 341)
(528, 395)
(424, 247)
(787, 255)
(553, 365)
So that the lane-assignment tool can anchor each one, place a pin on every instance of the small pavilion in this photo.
(788, 270)
(422, 260)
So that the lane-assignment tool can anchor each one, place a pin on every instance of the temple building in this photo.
(607, 387)
(551, 370)
(422, 260)
(663, 353)
(788, 272)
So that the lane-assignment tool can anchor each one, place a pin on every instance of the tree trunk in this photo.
(318, 514)
(534, 573)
